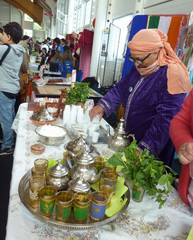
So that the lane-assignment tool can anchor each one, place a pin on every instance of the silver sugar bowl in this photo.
(58, 176)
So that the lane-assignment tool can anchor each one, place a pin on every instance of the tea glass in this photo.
(47, 196)
(98, 205)
(64, 200)
(81, 207)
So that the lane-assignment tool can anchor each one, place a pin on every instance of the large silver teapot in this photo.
(84, 167)
(120, 139)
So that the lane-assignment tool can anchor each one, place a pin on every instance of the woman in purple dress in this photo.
(151, 94)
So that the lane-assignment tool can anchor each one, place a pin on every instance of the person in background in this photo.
(66, 63)
(56, 44)
(45, 45)
(54, 60)
(30, 45)
(151, 94)
(44, 57)
(63, 46)
(181, 131)
(26, 57)
(37, 46)
(11, 57)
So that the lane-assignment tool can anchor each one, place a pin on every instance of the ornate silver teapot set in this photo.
(79, 162)
(78, 166)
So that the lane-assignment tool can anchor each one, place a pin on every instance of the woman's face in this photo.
(143, 60)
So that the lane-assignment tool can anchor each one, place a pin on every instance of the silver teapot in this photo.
(58, 176)
(120, 139)
(79, 185)
(84, 167)
(76, 148)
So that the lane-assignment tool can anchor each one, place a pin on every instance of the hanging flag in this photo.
(164, 23)
(139, 22)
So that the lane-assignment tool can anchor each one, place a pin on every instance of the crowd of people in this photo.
(15, 51)
(60, 54)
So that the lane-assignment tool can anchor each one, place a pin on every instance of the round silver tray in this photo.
(24, 197)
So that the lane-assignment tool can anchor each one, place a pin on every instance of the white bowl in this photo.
(51, 134)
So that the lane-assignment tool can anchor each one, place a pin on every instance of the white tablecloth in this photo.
(141, 221)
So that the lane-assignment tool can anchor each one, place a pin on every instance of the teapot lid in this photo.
(86, 159)
(80, 185)
(59, 170)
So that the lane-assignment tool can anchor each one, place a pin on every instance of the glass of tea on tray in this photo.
(64, 200)
(47, 197)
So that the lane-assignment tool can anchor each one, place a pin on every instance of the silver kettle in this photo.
(120, 139)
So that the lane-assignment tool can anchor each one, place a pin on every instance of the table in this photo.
(49, 73)
(141, 221)
(53, 89)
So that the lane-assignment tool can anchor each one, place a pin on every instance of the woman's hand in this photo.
(186, 153)
(96, 111)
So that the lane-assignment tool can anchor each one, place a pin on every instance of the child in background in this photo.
(66, 63)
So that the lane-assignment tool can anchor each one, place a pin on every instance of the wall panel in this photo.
(122, 8)
(171, 7)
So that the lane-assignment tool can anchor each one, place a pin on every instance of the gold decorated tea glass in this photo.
(99, 163)
(35, 173)
(35, 185)
(108, 177)
(47, 196)
(81, 207)
(107, 189)
(41, 164)
(63, 206)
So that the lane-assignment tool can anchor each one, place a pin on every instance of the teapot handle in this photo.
(132, 136)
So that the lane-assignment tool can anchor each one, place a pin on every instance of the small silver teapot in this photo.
(58, 176)
(79, 185)
(120, 139)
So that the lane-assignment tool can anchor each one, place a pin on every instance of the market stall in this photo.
(142, 220)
